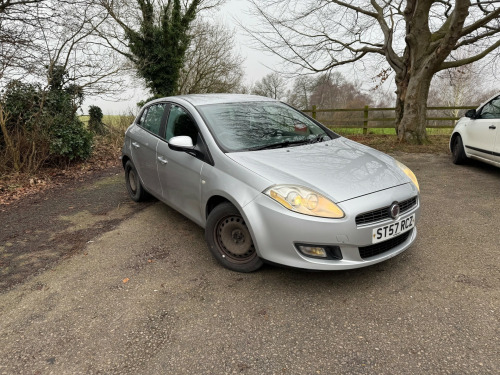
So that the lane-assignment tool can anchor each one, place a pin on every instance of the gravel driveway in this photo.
(142, 295)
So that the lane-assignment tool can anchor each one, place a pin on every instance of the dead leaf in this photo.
(125, 280)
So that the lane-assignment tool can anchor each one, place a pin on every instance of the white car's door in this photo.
(482, 132)
(496, 148)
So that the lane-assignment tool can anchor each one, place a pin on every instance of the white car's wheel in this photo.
(458, 151)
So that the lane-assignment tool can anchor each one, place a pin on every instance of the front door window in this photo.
(180, 123)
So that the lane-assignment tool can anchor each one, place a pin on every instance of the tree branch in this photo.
(469, 60)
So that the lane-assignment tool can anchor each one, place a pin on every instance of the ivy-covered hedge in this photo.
(41, 126)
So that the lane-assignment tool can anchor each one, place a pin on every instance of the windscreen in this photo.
(257, 125)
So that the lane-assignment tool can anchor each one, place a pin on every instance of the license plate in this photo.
(392, 230)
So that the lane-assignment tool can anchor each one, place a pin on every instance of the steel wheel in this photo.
(233, 239)
(132, 181)
(133, 184)
(230, 241)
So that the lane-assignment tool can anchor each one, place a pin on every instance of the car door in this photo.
(144, 139)
(494, 112)
(496, 148)
(180, 172)
(482, 132)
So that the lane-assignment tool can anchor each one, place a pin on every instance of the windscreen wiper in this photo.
(318, 138)
(279, 145)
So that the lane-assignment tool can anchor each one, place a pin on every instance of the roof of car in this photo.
(202, 99)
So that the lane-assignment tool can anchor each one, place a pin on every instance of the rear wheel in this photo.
(229, 239)
(134, 187)
(458, 152)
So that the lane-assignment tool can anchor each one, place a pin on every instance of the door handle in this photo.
(135, 144)
(493, 127)
(161, 160)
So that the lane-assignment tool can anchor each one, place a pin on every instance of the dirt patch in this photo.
(15, 186)
(43, 229)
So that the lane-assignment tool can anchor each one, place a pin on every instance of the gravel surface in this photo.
(142, 295)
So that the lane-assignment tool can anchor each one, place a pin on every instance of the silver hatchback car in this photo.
(269, 183)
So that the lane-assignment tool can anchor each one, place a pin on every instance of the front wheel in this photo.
(229, 239)
(458, 151)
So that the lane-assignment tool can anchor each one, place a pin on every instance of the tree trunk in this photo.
(411, 107)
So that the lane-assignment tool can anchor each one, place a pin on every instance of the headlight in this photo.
(304, 201)
(409, 173)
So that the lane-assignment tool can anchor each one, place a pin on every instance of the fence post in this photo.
(314, 112)
(365, 121)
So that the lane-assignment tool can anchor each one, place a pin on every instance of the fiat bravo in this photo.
(270, 184)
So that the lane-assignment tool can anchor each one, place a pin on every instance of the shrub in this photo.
(95, 124)
(40, 126)
(69, 140)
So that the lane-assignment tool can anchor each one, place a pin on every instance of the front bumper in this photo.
(276, 230)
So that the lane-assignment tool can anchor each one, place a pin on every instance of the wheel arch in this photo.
(216, 200)
(124, 158)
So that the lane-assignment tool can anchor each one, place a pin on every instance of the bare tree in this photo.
(272, 85)
(416, 38)
(210, 64)
(53, 37)
(71, 42)
(299, 95)
(460, 86)
(334, 91)
(16, 23)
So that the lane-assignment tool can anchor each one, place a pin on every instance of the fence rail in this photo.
(369, 121)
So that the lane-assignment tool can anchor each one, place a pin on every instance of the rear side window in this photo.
(151, 118)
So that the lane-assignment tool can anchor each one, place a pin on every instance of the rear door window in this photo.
(151, 118)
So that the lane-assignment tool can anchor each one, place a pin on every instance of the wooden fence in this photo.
(382, 117)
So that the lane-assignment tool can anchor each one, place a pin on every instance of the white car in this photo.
(477, 135)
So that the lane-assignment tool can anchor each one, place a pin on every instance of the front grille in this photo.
(407, 204)
(382, 247)
(384, 212)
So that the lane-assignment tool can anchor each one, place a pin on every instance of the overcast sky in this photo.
(256, 62)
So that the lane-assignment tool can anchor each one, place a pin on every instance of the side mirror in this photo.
(471, 113)
(181, 143)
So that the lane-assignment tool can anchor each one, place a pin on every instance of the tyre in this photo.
(458, 152)
(229, 239)
(133, 183)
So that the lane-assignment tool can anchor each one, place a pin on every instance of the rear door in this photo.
(144, 140)
(496, 149)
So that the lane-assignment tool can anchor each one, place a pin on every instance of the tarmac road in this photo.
(145, 296)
